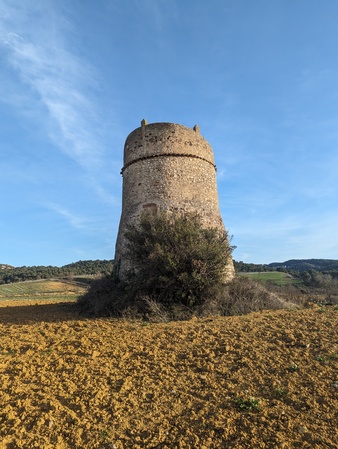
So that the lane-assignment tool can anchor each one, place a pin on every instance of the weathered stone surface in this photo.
(170, 167)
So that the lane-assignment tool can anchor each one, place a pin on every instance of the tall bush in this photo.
(175, 260)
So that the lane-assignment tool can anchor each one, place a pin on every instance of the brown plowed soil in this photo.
(264, 380)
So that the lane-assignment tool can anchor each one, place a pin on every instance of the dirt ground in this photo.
(264, 380)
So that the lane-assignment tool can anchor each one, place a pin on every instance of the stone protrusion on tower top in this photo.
(170, 167)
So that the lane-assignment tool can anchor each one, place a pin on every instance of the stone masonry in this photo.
(170, 167)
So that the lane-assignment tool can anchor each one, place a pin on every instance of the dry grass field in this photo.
(30, 291)
(263, 380)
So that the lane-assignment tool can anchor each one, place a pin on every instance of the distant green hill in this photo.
(307, 264)
(9, 274)
(289, 265)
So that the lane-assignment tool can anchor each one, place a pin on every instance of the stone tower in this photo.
(169, 167)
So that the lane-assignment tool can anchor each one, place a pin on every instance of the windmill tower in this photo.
(170, 167)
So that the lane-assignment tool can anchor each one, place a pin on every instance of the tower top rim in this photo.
(165, 139)
(147, 126)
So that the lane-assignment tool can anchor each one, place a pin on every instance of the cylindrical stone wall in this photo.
(169, 167)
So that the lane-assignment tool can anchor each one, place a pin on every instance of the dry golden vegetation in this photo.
(42, 289)
(263, 380)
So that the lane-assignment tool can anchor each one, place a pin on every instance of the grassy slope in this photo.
(275, 277)
(43, 289)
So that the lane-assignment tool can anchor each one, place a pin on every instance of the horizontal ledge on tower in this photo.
(153, 156)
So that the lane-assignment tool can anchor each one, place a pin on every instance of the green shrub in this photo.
(176, 264)
(175, 259)
(248, 404)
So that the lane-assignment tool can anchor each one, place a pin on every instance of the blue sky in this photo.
(259, 77)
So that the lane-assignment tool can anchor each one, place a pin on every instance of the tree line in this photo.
(80, 268)
(8, 274)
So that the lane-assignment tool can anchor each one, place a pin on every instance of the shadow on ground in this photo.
(11, 313)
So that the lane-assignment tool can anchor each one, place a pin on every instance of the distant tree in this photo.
(242, 267)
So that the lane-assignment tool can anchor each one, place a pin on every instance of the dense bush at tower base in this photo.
(238, 297)
(175, 259)
(178, 270)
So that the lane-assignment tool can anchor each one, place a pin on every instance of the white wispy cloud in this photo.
(59, 81)
(76, 221)
(101, 223)
(105, 196)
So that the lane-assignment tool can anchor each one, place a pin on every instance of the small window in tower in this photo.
(151, 208)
